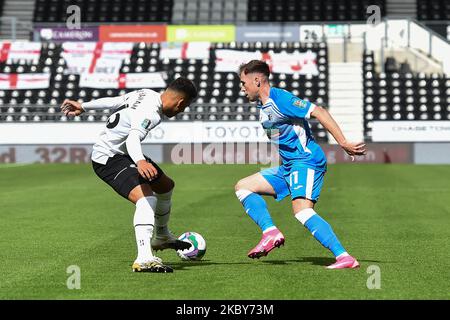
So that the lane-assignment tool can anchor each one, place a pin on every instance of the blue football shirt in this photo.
(284, 117)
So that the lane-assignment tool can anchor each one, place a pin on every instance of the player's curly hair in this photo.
(255, 66)
(184, 86)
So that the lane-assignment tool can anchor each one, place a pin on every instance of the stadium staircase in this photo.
(401, 9)
(209, 12)
(346, 99)
(22, 10)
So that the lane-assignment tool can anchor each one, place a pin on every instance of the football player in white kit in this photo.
(118, 160)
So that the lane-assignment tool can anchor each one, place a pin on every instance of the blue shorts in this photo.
(296, 181)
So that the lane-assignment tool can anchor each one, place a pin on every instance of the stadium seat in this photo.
(433, 10)
(396, 95)
(310, 10)
(105, 10)
(209, 11)
(218, 91)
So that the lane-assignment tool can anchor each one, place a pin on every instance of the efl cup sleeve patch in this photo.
(300, 103)
(146, 124)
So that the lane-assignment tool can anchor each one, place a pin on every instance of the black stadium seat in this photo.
(396, 95)
(105, 10)
(433, 10)
(310, 10)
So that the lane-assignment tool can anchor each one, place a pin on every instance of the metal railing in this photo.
(14, 23)
(408, 33)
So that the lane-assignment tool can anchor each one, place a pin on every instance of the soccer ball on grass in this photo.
(197, 249)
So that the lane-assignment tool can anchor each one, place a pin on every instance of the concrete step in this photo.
(338, 85)
(346, 98)
(346, 111)
(23, 10)
(17, 13)
(18, 2)
(353, 66)
(401, 9)
(354, 101)
(346, 73)
(350, 94)
(345, 77)
(340, 70)
(345, 64)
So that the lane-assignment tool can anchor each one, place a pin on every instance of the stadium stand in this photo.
(310, 10)
(209, 12)
(105, 10)
(399, 94)
(433, 10)
(219, 92)
(435, 14)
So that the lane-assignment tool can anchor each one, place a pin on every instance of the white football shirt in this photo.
(135, 112)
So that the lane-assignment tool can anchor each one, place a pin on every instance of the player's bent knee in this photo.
(243, 184)
(140, 191)
(300, 203)
(171, 184)
(248, 183)
(239, 185)
(163, 185)
(167, 183)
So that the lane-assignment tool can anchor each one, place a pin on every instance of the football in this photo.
(197, 249)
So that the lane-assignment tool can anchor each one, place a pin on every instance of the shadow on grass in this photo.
(188, 264)
(317, 261)
(180, 265)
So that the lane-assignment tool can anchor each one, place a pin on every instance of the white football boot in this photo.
(153, 265)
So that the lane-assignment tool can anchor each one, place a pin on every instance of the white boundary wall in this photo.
(166, 132)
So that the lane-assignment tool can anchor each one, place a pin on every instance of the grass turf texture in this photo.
(392, 216)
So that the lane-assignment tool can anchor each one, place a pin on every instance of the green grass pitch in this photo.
(395, 217)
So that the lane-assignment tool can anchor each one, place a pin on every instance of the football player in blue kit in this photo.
(285, 117)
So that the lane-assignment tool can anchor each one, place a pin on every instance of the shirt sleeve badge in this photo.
(300, 103)
(146, 124)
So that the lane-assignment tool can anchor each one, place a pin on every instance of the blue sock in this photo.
(256, 208)
(322, 231)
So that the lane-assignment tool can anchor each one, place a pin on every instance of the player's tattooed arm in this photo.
(327, 121)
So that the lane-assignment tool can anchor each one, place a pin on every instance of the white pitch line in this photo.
(13, 165)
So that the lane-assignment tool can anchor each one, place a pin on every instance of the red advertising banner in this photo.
(124, 33)
(376, 153)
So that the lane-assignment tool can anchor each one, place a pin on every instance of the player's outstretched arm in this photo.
(327, 121)
(105, 103)
(74, 108)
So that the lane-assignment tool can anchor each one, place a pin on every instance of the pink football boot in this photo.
(344, 262)
(270, 240)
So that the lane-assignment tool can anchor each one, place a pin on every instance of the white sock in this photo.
(144, 219)
(269, 229)
(162, 212)
(344, 254)
(304, 215)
